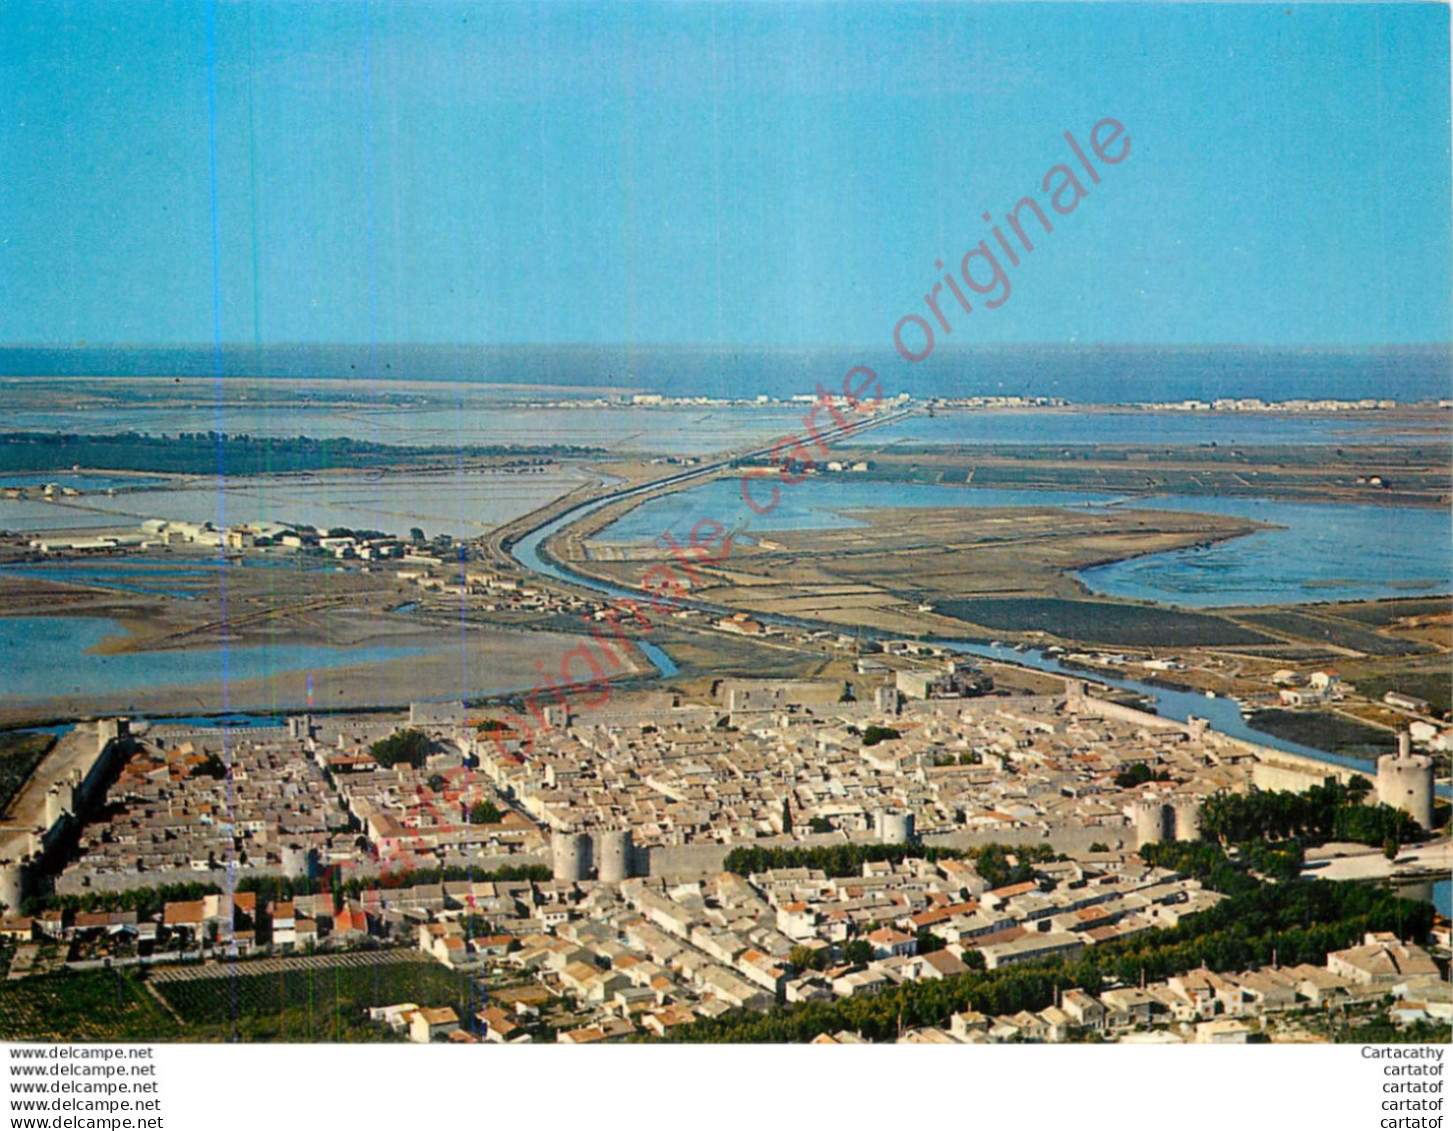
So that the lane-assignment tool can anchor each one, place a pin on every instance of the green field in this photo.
(1326, 731)
(1436, 687)
(19, 755)
(1102, 622)
(299, 1005)
(1381, 613)
(93, 1005)
(1337, 632)
(313, 1004)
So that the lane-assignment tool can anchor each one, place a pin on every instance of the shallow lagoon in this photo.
(1327, 551)
(47, 657)
(462, 505)
(1324, 551)
(701, 430)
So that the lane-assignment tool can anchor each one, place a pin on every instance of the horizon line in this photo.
(962, 347)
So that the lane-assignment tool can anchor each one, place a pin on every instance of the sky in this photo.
(716, 174)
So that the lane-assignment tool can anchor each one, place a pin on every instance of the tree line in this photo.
(201, 453)
(1330, 811)
(998, 864)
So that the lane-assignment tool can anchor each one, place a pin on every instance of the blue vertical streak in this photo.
(221, 463)
(371, 248)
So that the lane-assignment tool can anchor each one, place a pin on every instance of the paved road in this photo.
(1371, 864)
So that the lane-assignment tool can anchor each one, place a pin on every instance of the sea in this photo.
(1084, 375)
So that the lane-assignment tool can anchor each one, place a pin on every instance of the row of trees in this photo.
(144, 901)
(835, 860)
(355, 886)
(1330, 811)
(999, 864)
(198, 453)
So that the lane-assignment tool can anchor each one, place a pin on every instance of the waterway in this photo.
(657, 655)
(1224, 715)
(219, 722)
(1437, 892)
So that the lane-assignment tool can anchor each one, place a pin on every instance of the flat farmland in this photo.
(1337, 630)
(1105, 622)
(304, 1000)
(91, 1005)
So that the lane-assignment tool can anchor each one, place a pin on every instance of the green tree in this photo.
(806, 958)
(875, 734)
(928, 942)
(484, 813)
(1323, 812)
(858, 951)
(410, 746)
(1138, 774)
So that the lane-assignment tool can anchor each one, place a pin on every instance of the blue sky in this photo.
(762, 174)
